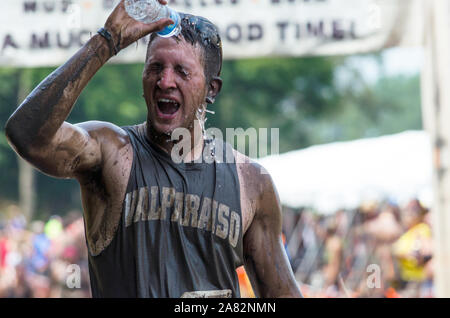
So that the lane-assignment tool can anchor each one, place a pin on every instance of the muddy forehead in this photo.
(198, 50)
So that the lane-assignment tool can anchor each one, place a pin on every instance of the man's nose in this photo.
(167, 79)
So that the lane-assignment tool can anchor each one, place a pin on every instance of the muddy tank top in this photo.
(180, 233)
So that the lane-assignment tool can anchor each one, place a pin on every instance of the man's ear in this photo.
(215, 85)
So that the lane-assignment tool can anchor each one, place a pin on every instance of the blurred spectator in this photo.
(39, 260)
(385, 229)
(413, 249)
(332, 255)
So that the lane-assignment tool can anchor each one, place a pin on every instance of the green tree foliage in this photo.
(276, 93)
(390, 106)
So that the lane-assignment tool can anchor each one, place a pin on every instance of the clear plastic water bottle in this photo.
(148, 11)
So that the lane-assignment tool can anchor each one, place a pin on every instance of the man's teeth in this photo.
(165, 100)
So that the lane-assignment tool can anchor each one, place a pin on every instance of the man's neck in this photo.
(164, 141)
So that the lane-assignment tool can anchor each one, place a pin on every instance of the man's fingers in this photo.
(126, 30)
(161, 24)
(154, 27)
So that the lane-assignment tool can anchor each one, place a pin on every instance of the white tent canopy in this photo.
(345, 174)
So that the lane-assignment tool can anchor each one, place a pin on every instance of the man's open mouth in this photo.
(167, 108)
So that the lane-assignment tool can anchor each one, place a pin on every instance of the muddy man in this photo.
(156, 227)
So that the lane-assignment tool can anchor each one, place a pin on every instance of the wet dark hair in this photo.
(198, 30)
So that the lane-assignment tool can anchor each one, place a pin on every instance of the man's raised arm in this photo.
(37, 129)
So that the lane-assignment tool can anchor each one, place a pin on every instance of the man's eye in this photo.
(155, 68)
(182, 71)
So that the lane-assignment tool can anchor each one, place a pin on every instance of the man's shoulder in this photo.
(258, 191)
(253, 174)
(101, 127)
(105, 132)
(112, 143)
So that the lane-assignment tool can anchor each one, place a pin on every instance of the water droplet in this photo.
(201, 119)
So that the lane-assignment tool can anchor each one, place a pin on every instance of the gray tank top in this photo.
(180, 233)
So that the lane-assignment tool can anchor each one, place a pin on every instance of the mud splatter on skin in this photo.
(161, 139)
(251, 268)
(75, 163)
(42, 113)
(101, 225)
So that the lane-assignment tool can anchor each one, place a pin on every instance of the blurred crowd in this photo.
(377, 250)
(43, 259)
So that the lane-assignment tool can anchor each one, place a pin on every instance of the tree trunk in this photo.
(27, 189)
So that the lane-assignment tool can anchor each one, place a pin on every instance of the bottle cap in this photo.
(173, 29)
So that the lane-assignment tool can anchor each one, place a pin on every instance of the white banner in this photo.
(48, 32)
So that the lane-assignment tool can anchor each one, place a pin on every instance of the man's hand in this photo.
(125, 30)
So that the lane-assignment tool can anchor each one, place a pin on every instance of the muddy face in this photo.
(174, 84)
